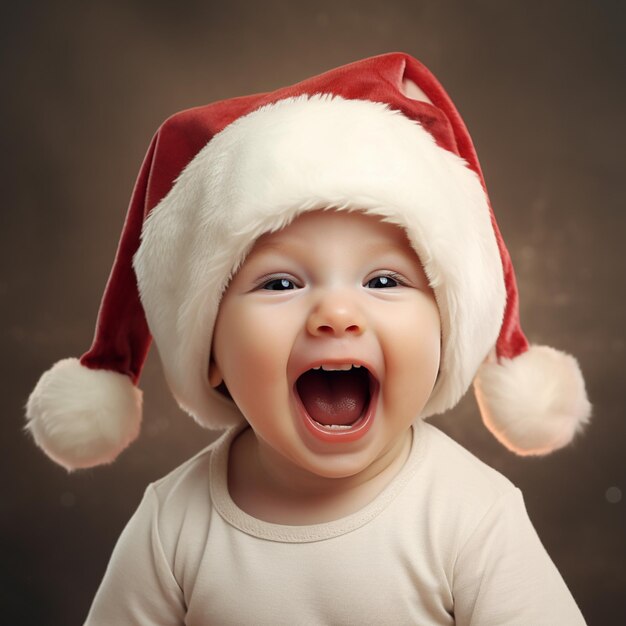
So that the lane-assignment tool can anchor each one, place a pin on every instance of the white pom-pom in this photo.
(535, 403)
(82, 417)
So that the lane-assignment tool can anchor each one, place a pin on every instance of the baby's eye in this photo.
(279, 284)
(382, 282)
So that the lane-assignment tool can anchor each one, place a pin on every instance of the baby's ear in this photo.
(215, 373)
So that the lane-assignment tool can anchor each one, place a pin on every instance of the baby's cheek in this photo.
(411, 367)
(254, 353)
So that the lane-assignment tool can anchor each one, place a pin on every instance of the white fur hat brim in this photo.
(301, 154)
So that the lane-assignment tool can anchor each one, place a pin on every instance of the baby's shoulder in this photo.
(177, 514)
(449, 467)
(183, 496)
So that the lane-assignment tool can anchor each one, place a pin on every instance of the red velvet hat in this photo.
(379, 135)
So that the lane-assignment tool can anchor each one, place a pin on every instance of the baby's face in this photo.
(328, 339)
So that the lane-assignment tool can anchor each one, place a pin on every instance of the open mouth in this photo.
(337, 400)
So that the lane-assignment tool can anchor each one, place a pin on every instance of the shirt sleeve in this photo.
(138, 587)
(503, 574)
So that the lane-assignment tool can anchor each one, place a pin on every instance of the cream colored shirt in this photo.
(447, 542)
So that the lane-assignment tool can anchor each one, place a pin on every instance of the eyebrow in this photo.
(268, 245)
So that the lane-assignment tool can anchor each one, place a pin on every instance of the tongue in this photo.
(334, 397)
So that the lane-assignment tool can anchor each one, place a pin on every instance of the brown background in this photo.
(541, 87)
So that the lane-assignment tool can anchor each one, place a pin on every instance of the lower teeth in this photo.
(335, 426)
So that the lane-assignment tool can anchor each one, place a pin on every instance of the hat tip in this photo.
(82, 417)
(534, 403)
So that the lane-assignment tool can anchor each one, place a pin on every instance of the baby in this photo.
(321, 270)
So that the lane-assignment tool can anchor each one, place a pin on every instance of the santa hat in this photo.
(379, 135)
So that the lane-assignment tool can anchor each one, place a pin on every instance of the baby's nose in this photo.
(336, 316)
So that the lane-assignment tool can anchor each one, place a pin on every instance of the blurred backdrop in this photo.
(85, 84)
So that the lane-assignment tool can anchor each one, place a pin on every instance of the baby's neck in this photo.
(275, 491)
